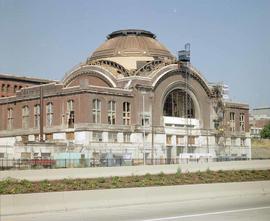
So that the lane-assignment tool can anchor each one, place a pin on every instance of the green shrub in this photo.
(265, 132)
(179, 171)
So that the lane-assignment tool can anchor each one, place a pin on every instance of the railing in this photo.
(6, 164)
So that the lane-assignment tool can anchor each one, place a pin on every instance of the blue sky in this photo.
(230, 39)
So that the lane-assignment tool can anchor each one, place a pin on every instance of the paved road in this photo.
(251, 207)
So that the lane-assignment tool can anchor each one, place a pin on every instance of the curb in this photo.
(20, 204)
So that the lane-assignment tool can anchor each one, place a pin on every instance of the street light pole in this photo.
(143, 130)
(41, 107)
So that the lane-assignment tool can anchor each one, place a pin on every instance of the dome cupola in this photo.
(130, 47)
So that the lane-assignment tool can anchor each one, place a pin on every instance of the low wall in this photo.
(54, 174)
(74, 200)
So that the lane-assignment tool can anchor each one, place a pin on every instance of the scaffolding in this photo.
(183, 62)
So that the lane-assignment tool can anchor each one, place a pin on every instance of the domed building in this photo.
(131, 99)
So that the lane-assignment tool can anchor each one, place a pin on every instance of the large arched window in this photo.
(111, 112)
(25, 117)
(96, 111)
(178, 103)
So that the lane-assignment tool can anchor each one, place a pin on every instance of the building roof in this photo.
(235, 104)
(24, 79)
(131, 43)
(126, 32)
(261, 108)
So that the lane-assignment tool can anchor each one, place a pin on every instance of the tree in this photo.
(265, 132)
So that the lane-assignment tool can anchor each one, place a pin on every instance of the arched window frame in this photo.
(178, 103)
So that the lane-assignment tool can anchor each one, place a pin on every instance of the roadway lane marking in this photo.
(207, 214)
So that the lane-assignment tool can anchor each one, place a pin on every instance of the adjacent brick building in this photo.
(259, 118)
(10, 84)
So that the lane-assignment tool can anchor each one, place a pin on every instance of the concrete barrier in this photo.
(74, 200)
(54, 174)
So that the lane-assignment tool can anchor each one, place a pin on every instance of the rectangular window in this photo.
(96, 111)
(2, 155)
(97, 136)
(126, 137)
(233, 141)
(232, 121)
(49, 114)
(243, 142)
(179, 150)
(36, 137)
(191, 149)
(180, 140)
(112, 137)
(70, 114)
(25, 117)
(242, 121)
(169, 139)
(111, 112)
(49, 137)
(145, 121)
(10, 119)
(24, 139)
(70, 136)
(191, 140)
(36, 115)
(126, 113)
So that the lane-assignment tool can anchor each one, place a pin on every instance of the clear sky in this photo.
(230, 39)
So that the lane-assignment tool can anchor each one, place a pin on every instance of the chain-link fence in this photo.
(6, 164)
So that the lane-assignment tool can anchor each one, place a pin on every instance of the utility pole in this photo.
(152, 141)
(143, 93)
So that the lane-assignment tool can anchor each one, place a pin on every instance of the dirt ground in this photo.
(260, 148)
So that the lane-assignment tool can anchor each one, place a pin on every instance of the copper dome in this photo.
(131, 43)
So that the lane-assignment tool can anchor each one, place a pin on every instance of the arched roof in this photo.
(173, 69)
(90, 70)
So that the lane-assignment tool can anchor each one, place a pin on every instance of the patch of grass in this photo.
(257, 143)
(13, 186)
(101, 180)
